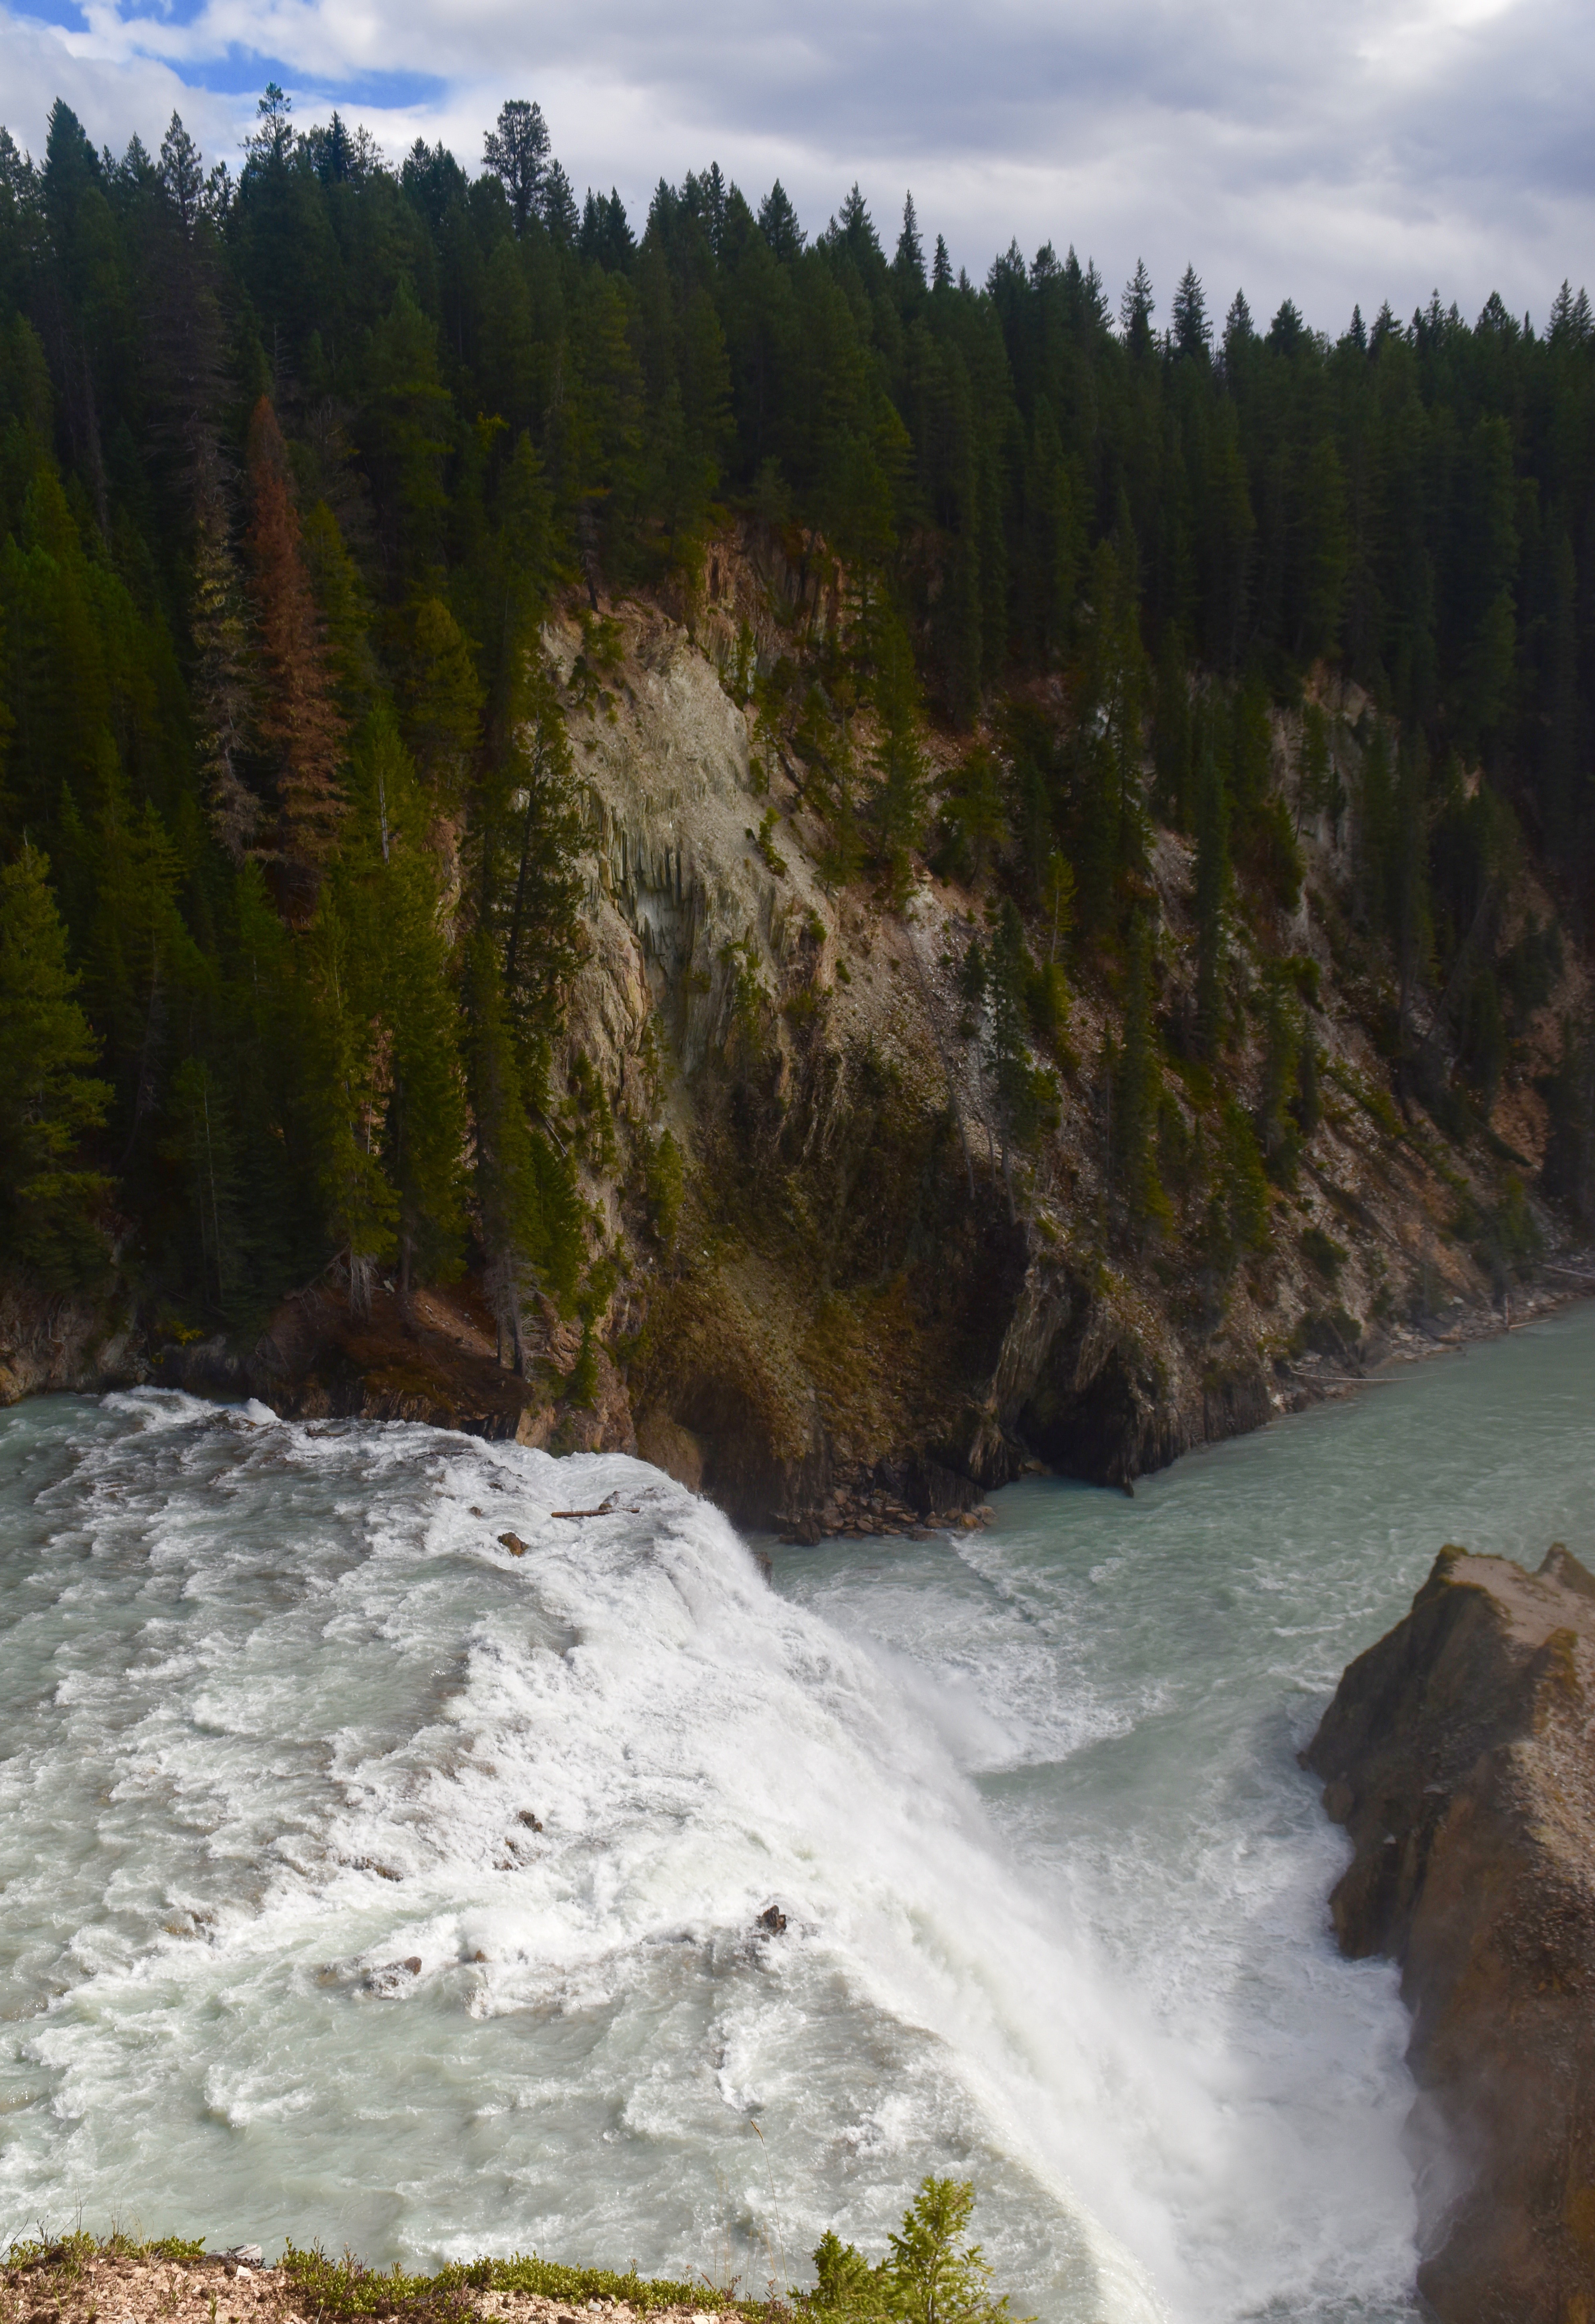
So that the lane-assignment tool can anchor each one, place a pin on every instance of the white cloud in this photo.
(1355, 153)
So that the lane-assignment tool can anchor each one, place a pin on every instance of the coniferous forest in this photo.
(296, 457)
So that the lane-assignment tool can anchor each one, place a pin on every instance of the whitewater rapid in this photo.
(363, 1881)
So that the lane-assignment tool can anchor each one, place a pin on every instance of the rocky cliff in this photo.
(1460, 1753)
(859, 1305)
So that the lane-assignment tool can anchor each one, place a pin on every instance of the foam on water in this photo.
(280, 1705)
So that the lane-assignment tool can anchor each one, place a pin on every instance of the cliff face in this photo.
(874, 1313)
(1460, 1753)
(863, 1312)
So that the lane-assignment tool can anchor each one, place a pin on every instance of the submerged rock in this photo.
(1460, 1753)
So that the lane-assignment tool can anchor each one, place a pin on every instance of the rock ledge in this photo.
(1460, 1753)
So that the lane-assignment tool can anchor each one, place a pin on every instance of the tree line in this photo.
(294, 458)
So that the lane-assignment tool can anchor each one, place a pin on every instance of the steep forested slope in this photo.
(876, 871)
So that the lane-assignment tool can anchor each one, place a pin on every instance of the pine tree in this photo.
(49, 1102)
(1212, 888)
(183, 174)
(1135, 310)
(442, 698)
(557, 207)
(1191, 332)
(424, 1132)
(528, 556)
(1307, 1104)
(144, 972)
(974, 816)
(1409, 877)
(908, 265)
(1027, 1096)
(297, 717)
(528, 1214)
(515, 150)
(532, 891)
(1563, 716)
(199, 1139)
(778, 223)
(346, 1072)
(1238, 331)
(898, 801)
(1243, 1182)
(221, 696)
(1325, 553)
(1111, 840)
(1281, 1055)
(1376, 826)
(936, 2276)
(1139, 1091)
(1173, 729)
(344, 607)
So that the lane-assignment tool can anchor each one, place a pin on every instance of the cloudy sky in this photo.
(1330, 150)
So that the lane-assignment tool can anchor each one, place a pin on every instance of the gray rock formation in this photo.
(1460, 1753)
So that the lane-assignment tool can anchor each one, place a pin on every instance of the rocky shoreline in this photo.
(1460, 1753)
(435, 1362)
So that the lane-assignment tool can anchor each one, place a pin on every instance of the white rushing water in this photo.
(281, 1953)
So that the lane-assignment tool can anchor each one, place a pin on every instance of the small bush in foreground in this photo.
(931, 2275)
(343, 2289)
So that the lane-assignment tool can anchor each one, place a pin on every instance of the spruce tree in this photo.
(347, 1093)
(1282, 1054)
(298, 716)
(50, 1102)
(1135, 310)
(1212, 889)
(1191, 332)
(1139, 1092)
(898, 798)
(396, 876)
(531, 890)
(222, 710)
(778, 223)
(908, 265)
(200, 1141)
(442, 697)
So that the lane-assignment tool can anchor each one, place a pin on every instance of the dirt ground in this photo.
(107, 2289)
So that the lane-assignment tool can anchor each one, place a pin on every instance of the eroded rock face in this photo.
(1460, 1753)
(862, 1312)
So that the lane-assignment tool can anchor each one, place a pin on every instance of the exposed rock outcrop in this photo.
(1460, 1753)
(865, 1306)
(872, 1314)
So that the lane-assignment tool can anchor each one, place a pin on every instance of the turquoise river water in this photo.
(282, 1950)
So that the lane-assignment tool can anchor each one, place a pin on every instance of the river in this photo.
(284, 1951)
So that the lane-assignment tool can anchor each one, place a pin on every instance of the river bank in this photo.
(433, 1360)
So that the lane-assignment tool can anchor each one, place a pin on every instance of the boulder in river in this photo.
(1460, 1753)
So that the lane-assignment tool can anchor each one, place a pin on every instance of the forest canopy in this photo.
(296, 457)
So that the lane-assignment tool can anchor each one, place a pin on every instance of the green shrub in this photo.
(1323, 1253)
(1333, 1333)
(581, 1388)
(340, 2290)
(665, 1183)
(931, 2275)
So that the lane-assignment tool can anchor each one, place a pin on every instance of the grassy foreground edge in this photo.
(932, 2274)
